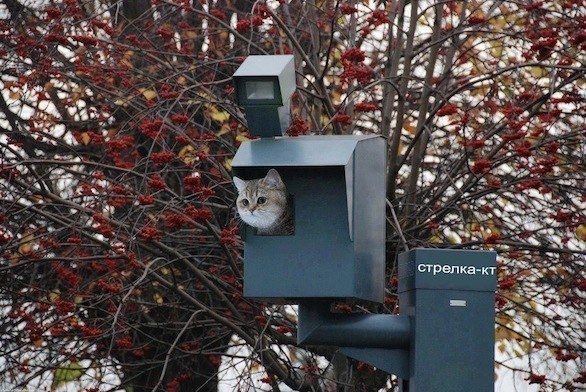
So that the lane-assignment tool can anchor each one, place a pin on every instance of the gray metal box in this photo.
(264, 85)
(338, 187)
(276, 73)
(450, 296)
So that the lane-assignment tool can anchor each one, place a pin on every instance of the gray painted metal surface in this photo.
(317, 325)
(449, 294)
(392, 361)
(267, 121)
(268, 113)
(443, 341)
(278, 69)
(338, 187)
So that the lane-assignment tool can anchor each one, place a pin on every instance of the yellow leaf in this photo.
(538, 72)
(242, 138)
(148, 94)
(158, 298)
(54, 295)
(69, 372)
(228, 164)
(218, 115)
(496, 49)
(121, 102)
(187, 155)
(499, 22)
(434, 239)
(504, 319)
(492, 225)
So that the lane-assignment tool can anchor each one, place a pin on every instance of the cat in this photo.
(263, 203)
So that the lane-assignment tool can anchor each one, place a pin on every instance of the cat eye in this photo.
(245, 202)
(261, 200)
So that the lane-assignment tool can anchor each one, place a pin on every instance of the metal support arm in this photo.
(317, 325)
(381, 340)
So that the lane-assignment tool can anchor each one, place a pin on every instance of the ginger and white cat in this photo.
(263, 203)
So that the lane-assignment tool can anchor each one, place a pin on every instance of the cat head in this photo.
(261, 202)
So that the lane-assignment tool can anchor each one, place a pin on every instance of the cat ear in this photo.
(273, 179)
(240, 184)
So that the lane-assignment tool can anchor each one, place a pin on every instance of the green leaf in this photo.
(68, 372)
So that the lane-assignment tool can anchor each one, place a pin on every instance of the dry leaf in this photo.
(187, 155)
(148, 94)
(54, 295)
(85, 138)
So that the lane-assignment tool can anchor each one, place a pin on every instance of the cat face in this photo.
(261, 202)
